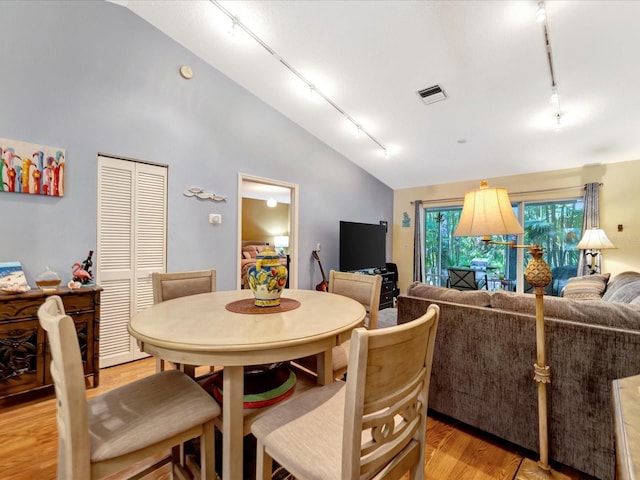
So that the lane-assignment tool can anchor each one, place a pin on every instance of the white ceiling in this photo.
(371, 57)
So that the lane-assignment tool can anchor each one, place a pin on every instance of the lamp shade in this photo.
(487, 211)
(595, 239)
(281, 241)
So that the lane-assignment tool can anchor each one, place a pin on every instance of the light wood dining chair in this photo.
(362, 288)
(167, 286)
(372, 426)
(113, 431)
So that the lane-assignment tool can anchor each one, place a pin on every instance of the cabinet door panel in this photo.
(20, 356)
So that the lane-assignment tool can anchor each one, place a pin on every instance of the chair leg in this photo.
(417, 472)
(264, 462)
(208, 452)
(176, 454)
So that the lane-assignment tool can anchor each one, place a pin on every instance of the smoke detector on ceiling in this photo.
(432, 94)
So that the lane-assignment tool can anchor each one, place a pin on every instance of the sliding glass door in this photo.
(557, 227)
(554, 225)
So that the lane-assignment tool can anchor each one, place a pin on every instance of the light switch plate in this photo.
(215, 218)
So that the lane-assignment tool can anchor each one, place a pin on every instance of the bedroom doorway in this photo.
(268, 214)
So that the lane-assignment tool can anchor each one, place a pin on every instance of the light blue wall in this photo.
(93, 77)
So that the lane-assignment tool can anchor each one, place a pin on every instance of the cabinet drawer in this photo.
(78, 303)
(386, 298)
(18, 309)
(26, 308)
(386, 287)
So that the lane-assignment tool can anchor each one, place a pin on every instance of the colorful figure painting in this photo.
(29, 168)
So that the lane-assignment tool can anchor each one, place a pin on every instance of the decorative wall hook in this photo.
(200, 193)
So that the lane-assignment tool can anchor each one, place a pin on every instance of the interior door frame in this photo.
(293, 225)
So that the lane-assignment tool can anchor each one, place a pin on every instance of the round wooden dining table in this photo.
(224, 329)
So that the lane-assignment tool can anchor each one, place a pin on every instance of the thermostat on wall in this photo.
(186, 72)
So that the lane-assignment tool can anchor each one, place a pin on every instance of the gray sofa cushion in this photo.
(592, 312)
(478, 298)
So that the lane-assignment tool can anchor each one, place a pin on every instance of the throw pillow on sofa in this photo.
(588, 287)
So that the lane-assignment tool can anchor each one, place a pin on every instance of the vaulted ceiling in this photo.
(370, 58)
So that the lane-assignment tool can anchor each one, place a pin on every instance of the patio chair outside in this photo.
(465, 279)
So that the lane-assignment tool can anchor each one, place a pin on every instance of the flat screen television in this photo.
(363, 246)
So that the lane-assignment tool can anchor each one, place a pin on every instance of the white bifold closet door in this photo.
(132, 239)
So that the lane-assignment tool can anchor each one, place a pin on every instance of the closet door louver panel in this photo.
(131, 245)
(150, 230)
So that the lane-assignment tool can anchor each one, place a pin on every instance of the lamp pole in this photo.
(538, 274)
(488, 211)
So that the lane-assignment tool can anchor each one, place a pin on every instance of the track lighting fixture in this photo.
(555, 97)
(541, 13)
(236, 24)
(232, 29)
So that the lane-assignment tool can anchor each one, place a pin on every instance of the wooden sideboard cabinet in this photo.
(24, 351)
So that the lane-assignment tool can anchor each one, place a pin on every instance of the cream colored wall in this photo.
(262, 223)
(619, 200)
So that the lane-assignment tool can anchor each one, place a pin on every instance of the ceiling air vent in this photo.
(432, 94)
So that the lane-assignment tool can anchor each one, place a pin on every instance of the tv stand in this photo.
(388, 287)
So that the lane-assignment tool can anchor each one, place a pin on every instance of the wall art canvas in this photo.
(30, 168)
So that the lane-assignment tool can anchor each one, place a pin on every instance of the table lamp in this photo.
(281, 242)
(593, 240)
(487, 211)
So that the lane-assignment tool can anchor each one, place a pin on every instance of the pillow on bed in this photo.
(252, 250)
(246, 255)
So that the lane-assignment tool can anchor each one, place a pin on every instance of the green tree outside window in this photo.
(554, 225)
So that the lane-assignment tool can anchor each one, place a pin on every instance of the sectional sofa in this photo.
(485, 349)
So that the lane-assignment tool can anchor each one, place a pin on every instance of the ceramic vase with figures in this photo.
(267, 279)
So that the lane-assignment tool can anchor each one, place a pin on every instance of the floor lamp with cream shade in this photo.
(488, 211)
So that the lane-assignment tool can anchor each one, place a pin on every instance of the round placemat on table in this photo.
(247, 305)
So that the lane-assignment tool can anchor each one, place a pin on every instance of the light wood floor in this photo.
(28, 441)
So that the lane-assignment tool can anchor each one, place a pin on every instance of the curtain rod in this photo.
(527, 192)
